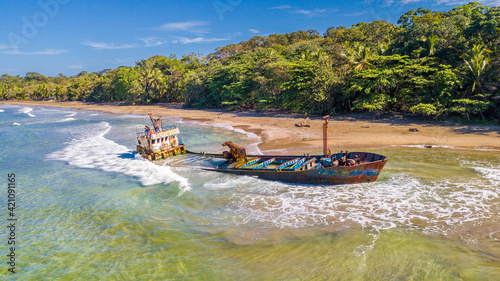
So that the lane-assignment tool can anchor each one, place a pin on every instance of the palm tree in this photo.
(319, 55)
(430, 43)
(382, 48)
(357, 54)
(146, 76)
(157, 82)
(307, 55)
(477, 63)
(363, 54)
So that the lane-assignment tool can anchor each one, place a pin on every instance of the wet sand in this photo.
(279, 131)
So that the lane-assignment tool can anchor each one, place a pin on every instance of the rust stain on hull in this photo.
(334, 175)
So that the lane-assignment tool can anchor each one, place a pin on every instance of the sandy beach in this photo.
(279, 131)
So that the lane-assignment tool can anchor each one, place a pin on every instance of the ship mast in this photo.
(157, 123)
(325, 137)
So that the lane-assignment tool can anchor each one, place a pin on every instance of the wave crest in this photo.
(94, 151)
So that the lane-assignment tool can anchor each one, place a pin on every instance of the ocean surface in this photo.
(89, 208)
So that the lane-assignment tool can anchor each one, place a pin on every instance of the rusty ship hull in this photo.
(367, 170)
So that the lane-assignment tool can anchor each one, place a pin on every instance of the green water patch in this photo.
(396, 254)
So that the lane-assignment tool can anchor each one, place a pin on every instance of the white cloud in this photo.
(46, 52)
(152, 41)
(253, 30)
(309, 13)
(3, 47)
(76, 66)
(314, 12)
(108, 46)
(197, 27)
(185, 40)
(406, 1)
(387, 3)
(451, 2)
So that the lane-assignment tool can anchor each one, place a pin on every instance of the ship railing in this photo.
(168, 127)
(164, 128)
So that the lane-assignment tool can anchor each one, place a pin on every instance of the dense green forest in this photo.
(432, 63)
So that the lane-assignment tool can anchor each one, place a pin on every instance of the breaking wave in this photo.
(93, 150)
(27, 111)
(493, 175)
(401, 201)
(66, 120)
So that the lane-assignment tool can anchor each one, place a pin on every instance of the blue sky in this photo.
(70, 36)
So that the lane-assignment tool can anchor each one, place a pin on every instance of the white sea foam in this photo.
(16, 124)
(402, 201)
(50, 121)
(229, 181)
(253, 148)
(426, 146)
(488, 170)
(66, 120)
(71, 114)
(9, 106)
(485, 149)
(27, 111)
(93, 150)
(1, 110)
(491, 174)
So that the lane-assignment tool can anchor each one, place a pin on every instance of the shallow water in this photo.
(89, 208)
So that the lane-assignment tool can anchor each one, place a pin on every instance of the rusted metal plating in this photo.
(159, 141)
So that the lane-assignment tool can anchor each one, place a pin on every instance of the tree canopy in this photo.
(432, 63)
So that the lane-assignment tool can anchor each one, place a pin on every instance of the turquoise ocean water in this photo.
(89, 208)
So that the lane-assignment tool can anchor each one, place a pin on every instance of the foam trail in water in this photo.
(485, 169)
(489, 173)
(66, 120)
(16, 124)
(1, 110)
(445, 147)
(27, 111)
(95, 151)
(400, 201)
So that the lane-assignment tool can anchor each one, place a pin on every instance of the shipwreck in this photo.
(326, 169)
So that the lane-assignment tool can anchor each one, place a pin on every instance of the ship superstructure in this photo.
(159, 141)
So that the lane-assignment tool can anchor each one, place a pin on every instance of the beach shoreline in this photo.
(278, 131)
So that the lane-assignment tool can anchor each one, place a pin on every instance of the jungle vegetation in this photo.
(433, 63)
